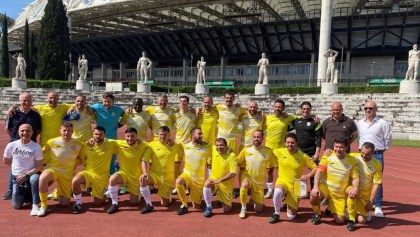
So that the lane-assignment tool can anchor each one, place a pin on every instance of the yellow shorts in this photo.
(164, 184)
(233, 145)
(288, 191)
(361, 201)
(224, 193)
(196, 188)
(63, 182)
(257, 191)
(131, 182)
(96, 182)
(336, 204)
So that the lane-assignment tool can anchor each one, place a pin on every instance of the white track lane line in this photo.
(403, 170)
(403, 164)
(396, 176)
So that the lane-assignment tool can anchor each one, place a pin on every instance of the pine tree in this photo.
(26, 48)
(54, 41)
(4, 49)
(32, 56)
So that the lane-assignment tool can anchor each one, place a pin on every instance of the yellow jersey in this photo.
(277, 130)
(97, 158)
(141, 122)
(229, 119)
(369, 172)
(130, 158)
(222, 164)
(82, 128)
(62, 156)
(250, 123)
(51, 119)
(160, 118)
(207, 121)
(255, 163)
(196, 159)
(185, 121)
(162, 158)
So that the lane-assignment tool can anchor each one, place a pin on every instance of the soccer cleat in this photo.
(316, 219)
(35, 210)
(88, 191)
(235, 194)
(378, 212)
(7, 195)
(351, 226)
(268, 195)
(182, 210)
(123, 190)
(174, 192)
(369, 217)
(208, 212)
(274, 219)
(77, 208)
(146, 209)
(42, 211)
(324, 202)
(112, 209)
(327, 212)
(242, 214)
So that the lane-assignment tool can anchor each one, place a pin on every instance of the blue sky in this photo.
(13, 8)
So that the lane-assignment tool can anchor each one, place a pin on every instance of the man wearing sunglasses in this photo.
(376, 130)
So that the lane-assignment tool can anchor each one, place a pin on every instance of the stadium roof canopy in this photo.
(110, 18)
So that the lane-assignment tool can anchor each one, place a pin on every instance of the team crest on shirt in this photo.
(344, 126)
(73, 147)
(104, 149)
(112, 113)
(371, 170)
(308, 124)
(347, 166)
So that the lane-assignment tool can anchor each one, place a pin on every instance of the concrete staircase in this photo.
(402, 111)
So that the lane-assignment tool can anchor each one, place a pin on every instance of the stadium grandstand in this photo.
(373, 38)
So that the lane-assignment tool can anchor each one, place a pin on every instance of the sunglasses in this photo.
(368, 108)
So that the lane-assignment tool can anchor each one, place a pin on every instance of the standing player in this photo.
(207, 120)
(251, 122)
(291, 163)
(376, 130)
(81, 117)
(370, 174)
(97, 159)
(25, 159)
(158, 169)
(197, 156)
(161, 116)
(130, 153)
(254, 160)
(61, 156)
(221, 180)
(277, 124)
(333, 177)
(139, 119)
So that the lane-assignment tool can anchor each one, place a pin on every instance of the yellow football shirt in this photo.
(185, 121)
(255, 163)
(82, 128)
(338, 173)
(62, 156)
(277, 130)
(369, 172)
(196, 159)
(141, 122)
(160, 118)
(207, 121)
(162, 158)
(250, 123)
(229, 119)
(291, 166)
(130, 158)
(222, 164)
(97, 158)
(51, 119)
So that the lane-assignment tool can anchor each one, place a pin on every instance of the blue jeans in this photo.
(379, 195)
(25, 192)
(10, 181)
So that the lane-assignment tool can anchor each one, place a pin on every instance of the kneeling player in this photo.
(221, 180)
(61, 156)
(130, 154)
(254, 160)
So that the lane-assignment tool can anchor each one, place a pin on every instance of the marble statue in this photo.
(201, 75)
(263, 64)
(20, 67)
(82, 65)
(413, 63)
(142, 66)
(330, 74)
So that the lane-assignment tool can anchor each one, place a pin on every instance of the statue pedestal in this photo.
(262, 89)
(410, 87)
(19, 83)
(201, 89)
(143, 87)
(82, 85)
(329, 89)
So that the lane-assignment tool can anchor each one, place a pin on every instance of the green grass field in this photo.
(402, 142)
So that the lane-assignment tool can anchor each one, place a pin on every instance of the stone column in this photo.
(324, 39)
(348, 54)
(223, 62)
(312, 71)
(185, 71)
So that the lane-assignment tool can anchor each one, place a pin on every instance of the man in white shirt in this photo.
(376, 130)
(25, 158)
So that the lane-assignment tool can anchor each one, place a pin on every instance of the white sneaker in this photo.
(35, 210)
(42, 211)
(242, 214)
(378, 212)
(268, 195)
(174, 192)
(369, 217)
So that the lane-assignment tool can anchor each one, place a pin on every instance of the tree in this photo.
(26, 48)
(4, 49)
(54, 44)
(32, 53)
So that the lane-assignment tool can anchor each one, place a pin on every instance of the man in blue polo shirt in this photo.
(111, 117)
